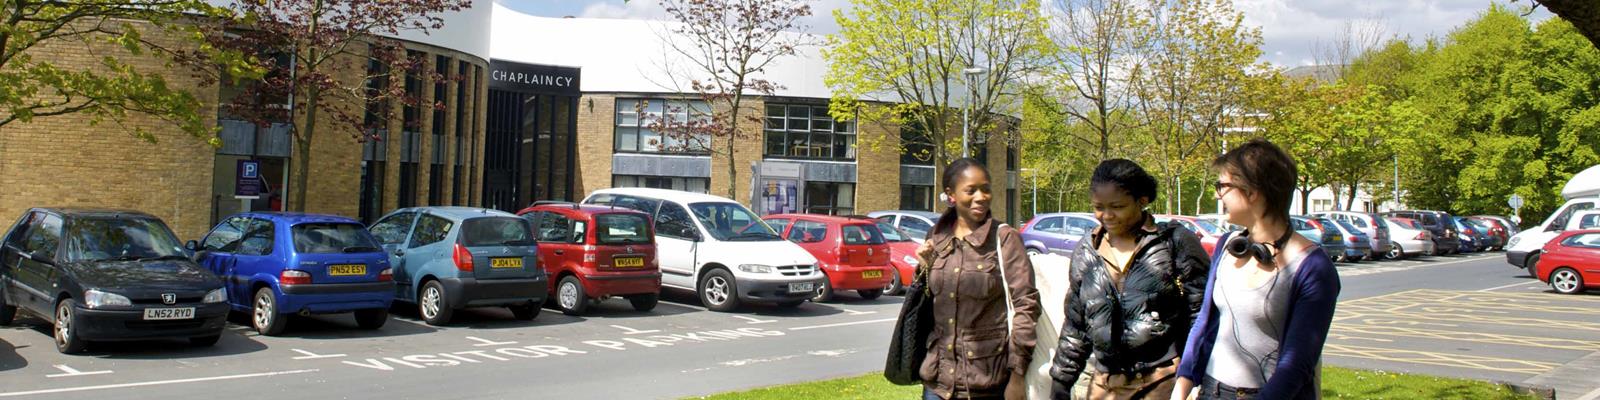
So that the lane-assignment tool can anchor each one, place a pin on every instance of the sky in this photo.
(1293, 30)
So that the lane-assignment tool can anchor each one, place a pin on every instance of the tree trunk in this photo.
(302, 160)
(1305, 200)
(1350, 202)
(733, 167)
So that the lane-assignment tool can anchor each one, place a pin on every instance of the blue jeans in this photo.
(1210, 389)
(928, 394)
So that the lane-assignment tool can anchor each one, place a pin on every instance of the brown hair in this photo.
(1260, 167)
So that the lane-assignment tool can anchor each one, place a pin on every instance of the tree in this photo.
(1098, 43)
(33, 88)
(913, 52)
(728, 45)
(330, 60)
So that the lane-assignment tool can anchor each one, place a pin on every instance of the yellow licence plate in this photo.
(347, 270)
(628, 262)
(872, 274)
(507, 262)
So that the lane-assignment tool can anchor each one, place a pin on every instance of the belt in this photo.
(1148, 368)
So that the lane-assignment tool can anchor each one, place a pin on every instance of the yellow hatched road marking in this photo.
(1440, 359)
(1476, 337)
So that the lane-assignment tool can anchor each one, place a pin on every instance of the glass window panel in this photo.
(799, 112)
(774, 110)
(627, 139)
(799, 124)
(844, 146)
(775, 124)
(774, 144)
(822, 124)
(649, 140)
(821, 145)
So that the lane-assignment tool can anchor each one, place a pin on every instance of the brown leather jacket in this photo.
(968, 351)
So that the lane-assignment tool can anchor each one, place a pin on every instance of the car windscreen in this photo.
(1208, 227)
(1347, 227)
(93, 239)
(333, 238)
(732, 222)
(855, 234)
(492, 231)
(890, 233)
(617, 228)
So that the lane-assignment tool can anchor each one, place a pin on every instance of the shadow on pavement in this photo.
(9, 359)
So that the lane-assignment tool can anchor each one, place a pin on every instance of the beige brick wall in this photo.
(596, 125)
(877, 166)
(746, 150)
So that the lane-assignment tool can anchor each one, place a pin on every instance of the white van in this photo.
(1582, 193)
(719, 249)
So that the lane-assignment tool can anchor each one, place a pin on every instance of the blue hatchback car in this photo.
(277, 264)
(449, 258)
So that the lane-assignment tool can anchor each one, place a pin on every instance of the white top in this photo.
(1252, 323)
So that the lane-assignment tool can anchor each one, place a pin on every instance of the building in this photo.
(536, 109)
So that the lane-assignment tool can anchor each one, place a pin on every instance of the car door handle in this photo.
(560, 252)
(399, 252)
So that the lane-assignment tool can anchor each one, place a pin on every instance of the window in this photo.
(430, 230)
(331, 238)
(860, 234)
(635, 203)
(1011, 158)
(435, 184)
(226, 235)
(1589, 221)
(1080, 226)
(257, 239)
(674, 222)
(804, 131)
(394, 228)
(779, 224)
(808, 232)
(915, 227)
(492, 231)
(1591, 240)
(732, 222)
(697, 185)
(1321, 204)
(621, 229)
(1358, 222)
(117, 238)
(44, 238)
(830, 198)
(1560, 220)
(916, 197)
(890, 233)
(1049, 225)
(915, 148)
(556, 228)
(635, 116)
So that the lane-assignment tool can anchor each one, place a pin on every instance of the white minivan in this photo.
(1582, 193)
(719, 249)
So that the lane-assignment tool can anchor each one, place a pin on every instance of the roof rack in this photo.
(544, 202)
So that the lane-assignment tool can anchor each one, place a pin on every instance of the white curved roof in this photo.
(1584, 184)
(466, 31)
(620, 55)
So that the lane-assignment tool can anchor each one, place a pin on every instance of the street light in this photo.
(972, 75)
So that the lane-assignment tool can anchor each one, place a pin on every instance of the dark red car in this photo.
(592, 253)
(1570, 263)
(1208, 233)
(902, 256)
(851, 252)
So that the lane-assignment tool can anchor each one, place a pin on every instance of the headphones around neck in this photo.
(1240, 246)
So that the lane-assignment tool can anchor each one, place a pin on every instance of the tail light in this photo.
(1421, 236)
(294, 277)
(387, 275)
(463, 258)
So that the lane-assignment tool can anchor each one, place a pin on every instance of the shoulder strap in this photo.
(1005, 284)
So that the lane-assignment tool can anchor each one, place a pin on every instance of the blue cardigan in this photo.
(1316, 290)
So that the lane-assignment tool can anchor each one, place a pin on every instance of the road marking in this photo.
(486, 342)
(69, 371)
(1591, 396)
(313, 356)
(154, 383)
(856, 312)
(842, 324)
(1439, 359)
(631, 331)
(1509, 286)
(754, 320)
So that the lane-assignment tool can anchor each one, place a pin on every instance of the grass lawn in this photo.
(1337, 383)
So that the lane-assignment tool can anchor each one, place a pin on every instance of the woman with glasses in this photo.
(1270, 296)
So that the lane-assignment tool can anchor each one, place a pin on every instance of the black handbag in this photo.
(908, 346)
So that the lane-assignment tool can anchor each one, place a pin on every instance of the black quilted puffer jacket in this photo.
(1138, 323)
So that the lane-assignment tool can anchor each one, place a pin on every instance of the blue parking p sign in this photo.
(247, 182)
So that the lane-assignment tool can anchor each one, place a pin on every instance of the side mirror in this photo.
(40, 258)
(191, 245)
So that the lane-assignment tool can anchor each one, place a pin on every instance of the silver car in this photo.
(1408, 239)
(914, 223)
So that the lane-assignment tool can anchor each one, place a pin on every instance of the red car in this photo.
(851, 252)
(1208, 232)
(1571, 261)
(902, 256)
(596, 252)
(1498, 227)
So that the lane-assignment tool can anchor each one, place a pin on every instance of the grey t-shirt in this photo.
(1252, 323)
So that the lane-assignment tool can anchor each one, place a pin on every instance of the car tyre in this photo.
(870, 294)
(1566, 280)
(824, 290)
(718, 291)
(264, 314)
(67, 340)
(525, 312)
(571, 297)
(644, 302)
(895, 285)
(431, 304)
(1395, 251)
(1531, 264)
(1033, 252)
(8, 312)
(372, 319)
(205, 341)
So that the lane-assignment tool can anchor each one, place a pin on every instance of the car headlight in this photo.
(215, 296)
(1514, 242)
(97, 299)
(912, 261)
(756, 268)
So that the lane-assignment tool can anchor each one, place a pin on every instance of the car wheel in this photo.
(372, 318)
(264, 314)
(1566, 281)
(431, 304)
(895, 286)
(525, 312)
(1033, 252)
(8, 312)
(1395, 252)
(824, 291)
(570, 296)
(66, 334)
(718, 292)
(205, 341)
(870, 294)
(644, 302)
(1531, 264)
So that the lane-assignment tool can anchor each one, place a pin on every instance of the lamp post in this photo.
(972, 75)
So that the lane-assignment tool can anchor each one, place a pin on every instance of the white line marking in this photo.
(486, 342)
(1591, 396)
(153, 383)
(69, 371)
(842, 324)
(1509, 286)
(856, 312)
(631, 331)
(754, 320)
(313, 356)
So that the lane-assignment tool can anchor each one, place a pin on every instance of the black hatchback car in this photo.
(1446, 238)
(102, 275)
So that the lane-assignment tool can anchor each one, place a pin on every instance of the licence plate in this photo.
(872, 274)
(347, 270)
(505, 262)
(627, 262)
(156, 314)
(801, 287)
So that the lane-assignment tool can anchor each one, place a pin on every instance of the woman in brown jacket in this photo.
(974, 352)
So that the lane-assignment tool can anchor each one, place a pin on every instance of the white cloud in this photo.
(1293, 29)
(820, 22)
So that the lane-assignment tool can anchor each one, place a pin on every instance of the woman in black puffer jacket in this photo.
(1136, 288)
